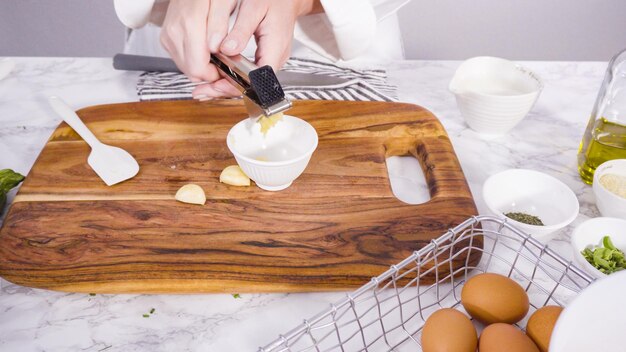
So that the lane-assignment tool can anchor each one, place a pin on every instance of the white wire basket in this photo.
(388, 313)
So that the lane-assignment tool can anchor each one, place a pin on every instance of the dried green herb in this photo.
(152, 311)
(92, 294)
(236, 295)
(606, 258)
(525, 218)
(146, 315)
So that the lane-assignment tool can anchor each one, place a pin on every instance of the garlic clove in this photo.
(192, 194)
(234, 176)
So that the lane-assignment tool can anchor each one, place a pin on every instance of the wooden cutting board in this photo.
(337, 226)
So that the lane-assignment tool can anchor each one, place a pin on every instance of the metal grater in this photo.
(262, 93)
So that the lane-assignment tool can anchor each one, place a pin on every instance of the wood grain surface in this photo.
(337, 226)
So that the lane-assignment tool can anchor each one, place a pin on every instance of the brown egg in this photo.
(502, 337)
(493, 298)
(540, 325)
(448, 330)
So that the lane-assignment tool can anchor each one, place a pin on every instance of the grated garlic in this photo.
(268, 122)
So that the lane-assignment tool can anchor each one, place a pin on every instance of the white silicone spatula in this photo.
(112, 164)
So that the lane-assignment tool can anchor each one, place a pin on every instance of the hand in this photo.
(192, 29)
(271, 22)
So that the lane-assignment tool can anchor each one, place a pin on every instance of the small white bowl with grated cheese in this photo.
(609, 187)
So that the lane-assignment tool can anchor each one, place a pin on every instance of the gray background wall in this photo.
(516, 29)
(433, 29)
(59, 28)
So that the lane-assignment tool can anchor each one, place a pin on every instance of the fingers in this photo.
(271, 52)
(173, 47)
(274, 38)
(196, 54)
(193, 29)
(197, 60)
(217, 89)
(205, 92)
(217, 22)
(226, 88)
(273, 49)
(184, 36)
(251, 13)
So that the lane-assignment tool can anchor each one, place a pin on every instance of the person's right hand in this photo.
(192, 29)
(271, 23)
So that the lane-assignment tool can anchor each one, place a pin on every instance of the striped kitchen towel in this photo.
(363, 85)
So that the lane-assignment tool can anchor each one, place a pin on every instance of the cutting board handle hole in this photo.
(407, 180)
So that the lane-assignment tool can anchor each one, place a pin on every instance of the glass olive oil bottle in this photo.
(608, 142)
(605, 136)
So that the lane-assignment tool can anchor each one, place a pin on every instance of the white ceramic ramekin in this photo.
(274, 160)
(494, 94)
(608, 203)
(591, 233)
(535, 193)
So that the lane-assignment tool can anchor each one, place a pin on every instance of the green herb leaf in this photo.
(236, 295)
(606, 241)
(606, 257)
(9, 179)
(602, 263)
(92, 294)
(146, 315)
(152, 311)
(3, 201)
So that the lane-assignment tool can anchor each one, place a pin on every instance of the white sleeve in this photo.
(346, 29)
(137, 13)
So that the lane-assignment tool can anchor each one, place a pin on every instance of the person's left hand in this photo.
(272, 23)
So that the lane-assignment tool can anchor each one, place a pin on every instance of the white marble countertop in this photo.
(38, 320)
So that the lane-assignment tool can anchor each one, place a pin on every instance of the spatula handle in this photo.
(70, 117)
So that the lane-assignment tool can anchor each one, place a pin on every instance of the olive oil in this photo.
(607, 142)
(605, 135)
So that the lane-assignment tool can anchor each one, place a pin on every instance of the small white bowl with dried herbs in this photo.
(532, 201)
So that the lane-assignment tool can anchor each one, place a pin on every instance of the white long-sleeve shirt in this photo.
(355, 31)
